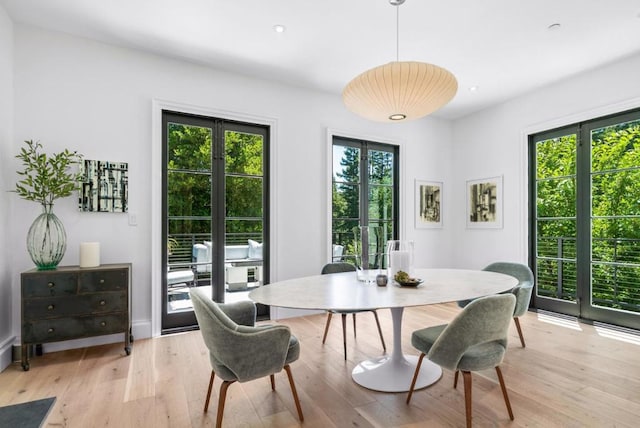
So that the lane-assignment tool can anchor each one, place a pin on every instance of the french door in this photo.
(215, 221)
(365, 189)
(585, 219)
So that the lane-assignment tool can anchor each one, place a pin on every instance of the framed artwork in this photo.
(428, 204)
(104, 186)
(484, 203)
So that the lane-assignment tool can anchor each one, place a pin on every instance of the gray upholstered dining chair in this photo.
(346, 267)
(522, 290)
(238, 350)
(475, 340)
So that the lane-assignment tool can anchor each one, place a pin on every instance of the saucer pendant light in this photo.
(400, 90)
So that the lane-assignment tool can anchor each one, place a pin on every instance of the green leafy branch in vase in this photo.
(46, 178)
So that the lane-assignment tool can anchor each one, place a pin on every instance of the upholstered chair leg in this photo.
(504, 392)
(466, 376)
(273, 382)
(375, 314)
(344, 335)
(221, 400)
(294, 392)
(326, 327)
(206, 403)
(415, 377)
(354, 325)
(517, 321)
(455, 379)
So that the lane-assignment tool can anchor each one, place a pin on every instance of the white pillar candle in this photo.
(89, 254)
(399, 260)
(395, 259)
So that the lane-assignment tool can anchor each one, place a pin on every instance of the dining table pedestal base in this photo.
(387, 374)
(394, 373)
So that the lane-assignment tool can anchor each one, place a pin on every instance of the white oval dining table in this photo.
(342, 291)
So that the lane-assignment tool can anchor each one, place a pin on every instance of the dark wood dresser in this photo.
(72, 303)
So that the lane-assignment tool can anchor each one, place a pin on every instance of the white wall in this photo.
(6, 151)
(97, 99)
(493, 142)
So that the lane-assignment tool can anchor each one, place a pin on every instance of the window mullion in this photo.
(583, 218)
(364, 185)
(217, 209)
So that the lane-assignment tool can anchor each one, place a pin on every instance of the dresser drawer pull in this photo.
(51, 307)
(103, 323)
(51, 330)
(50, 285)
(103, 302)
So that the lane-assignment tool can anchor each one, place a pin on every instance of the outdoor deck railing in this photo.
(181, 254)
(615, 271)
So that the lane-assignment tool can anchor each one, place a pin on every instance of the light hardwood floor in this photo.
(570, 375)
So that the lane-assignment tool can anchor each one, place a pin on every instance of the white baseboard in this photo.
(6, 352)
(141, 329)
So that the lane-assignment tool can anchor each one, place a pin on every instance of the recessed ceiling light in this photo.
(279, 28)
(473, 89)
(554, 27)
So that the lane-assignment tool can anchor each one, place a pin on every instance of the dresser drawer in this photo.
(56, 329)
(50, 284)
(106, 324)
(55, 307)
(104, 280)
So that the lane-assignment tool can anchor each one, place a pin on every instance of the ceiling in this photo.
(504, 48)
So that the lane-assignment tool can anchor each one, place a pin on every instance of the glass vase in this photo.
(369, 252)
(46, 240)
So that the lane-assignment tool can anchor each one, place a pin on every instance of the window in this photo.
(364, 193)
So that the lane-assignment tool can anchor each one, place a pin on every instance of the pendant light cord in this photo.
(397, 33)
(397, 4)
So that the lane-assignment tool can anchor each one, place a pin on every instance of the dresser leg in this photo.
(128, 338)
(25, 358)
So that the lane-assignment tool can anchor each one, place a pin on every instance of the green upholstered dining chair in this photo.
(239, 351)
(338, 267)
(475, 340)
(522, 291)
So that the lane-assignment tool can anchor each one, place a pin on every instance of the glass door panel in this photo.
(614, 293)
(244, 213)
(188, 218)
(381, 202)
(345, 202)
(555, 222)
